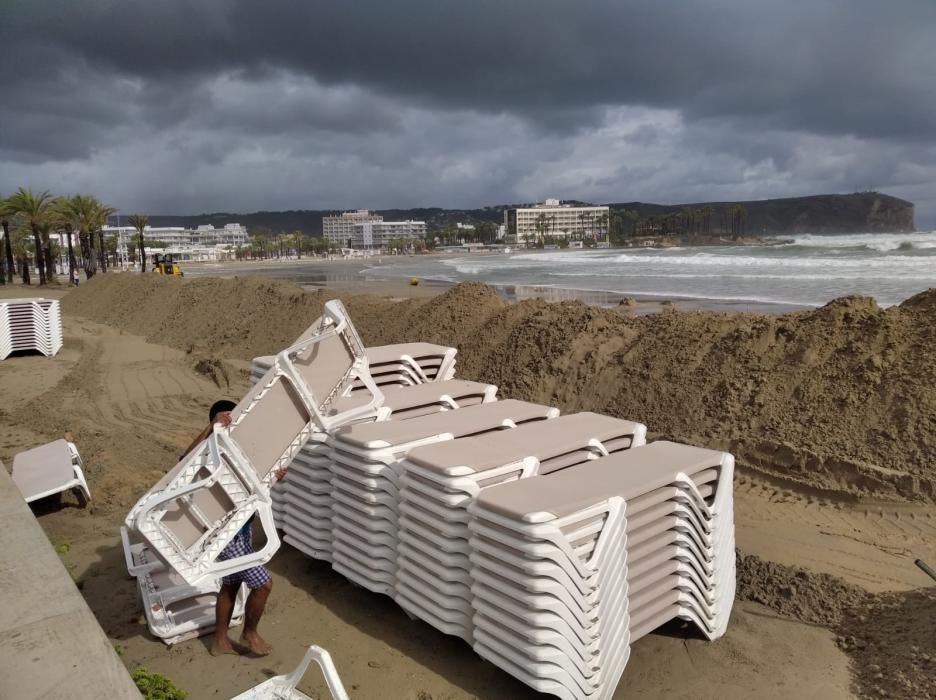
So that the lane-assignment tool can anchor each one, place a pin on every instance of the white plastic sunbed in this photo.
(30, 324)
(569, 569)
(175, 611)
(191, 515)
(50, 469)
(284, 687)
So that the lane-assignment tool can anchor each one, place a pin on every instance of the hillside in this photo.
(827, 213)
(864, 212)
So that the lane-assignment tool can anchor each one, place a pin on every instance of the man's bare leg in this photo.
(256, 602)
(224, 610)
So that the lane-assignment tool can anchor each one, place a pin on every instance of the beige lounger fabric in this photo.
(49, 469)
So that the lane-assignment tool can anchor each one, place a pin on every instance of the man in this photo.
(257, 578)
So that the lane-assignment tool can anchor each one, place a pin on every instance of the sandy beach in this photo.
(831, 414)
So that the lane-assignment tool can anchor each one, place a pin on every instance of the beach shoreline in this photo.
(363, 276)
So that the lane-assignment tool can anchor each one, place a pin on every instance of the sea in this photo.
(797, 271)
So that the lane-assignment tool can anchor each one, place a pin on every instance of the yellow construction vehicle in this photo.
(165, 265)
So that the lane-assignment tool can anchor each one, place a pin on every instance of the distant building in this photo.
(339, 229)
(202, 243)
(552, 219)
(378, 234)
(464, 227)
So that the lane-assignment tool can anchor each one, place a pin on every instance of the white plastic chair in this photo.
(284, 687)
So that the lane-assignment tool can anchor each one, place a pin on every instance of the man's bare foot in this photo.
(256, 644)
(224, 646)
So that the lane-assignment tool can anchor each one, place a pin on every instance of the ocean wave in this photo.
(709, 260)
(879, 242)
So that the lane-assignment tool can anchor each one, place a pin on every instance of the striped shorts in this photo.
(240, 546)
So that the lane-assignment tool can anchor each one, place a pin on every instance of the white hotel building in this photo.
(363, 229)
(527, 225)
(205, 243)
(339, 229)
(380, 234)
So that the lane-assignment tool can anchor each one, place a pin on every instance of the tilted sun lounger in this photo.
(439, 481)
(401, 364)
(365, 481)
(284, 687)
(302, 501)
(50, 469)
(198, 507)
(570, 569)
(175, 611)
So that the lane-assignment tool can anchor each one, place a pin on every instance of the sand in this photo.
(823, 543)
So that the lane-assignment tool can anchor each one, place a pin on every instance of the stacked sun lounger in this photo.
(439, 481)
(403, 364)
(30, 324)
(569, 569)
(175, 611)
(303, 500)
(366, 475)
(391, 367)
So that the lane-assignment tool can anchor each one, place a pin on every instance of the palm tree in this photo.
(64, 220)
(79, 209)
(101, 214)
(36, 208)
(5, 214)
(139, 222)
(20, 243)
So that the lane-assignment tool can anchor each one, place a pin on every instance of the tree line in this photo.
(29, 219)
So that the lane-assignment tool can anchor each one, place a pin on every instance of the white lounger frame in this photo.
(231, 470)
(284, 687)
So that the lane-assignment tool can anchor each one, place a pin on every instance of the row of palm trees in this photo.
(27, 214)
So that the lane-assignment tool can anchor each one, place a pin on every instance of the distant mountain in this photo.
(866, 212)
(824, 213)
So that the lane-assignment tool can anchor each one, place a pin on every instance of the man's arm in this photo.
(223, 418)
(201, 436)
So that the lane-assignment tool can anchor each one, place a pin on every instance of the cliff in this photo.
(862, 212)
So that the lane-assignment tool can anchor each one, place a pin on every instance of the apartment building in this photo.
(339, 229)
(378, 234)
(552, 219)
(202, 243)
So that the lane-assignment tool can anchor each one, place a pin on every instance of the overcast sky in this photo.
(175, 106)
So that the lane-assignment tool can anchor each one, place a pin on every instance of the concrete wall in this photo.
(51, 646)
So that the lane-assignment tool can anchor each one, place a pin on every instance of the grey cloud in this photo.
(234, 104)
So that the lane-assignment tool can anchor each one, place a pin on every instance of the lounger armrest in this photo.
(132, 568)
(324, 661)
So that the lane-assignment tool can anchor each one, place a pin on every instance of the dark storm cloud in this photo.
(603, 99)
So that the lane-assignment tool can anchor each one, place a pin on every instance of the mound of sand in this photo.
(892, 642)
(841, 399)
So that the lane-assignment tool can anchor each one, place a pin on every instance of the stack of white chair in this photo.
(439, 481)
(30, 324)
(403, 364)
(175, 611)
(366, 475)
(570, 569)
(197, 508)
(303, 501)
